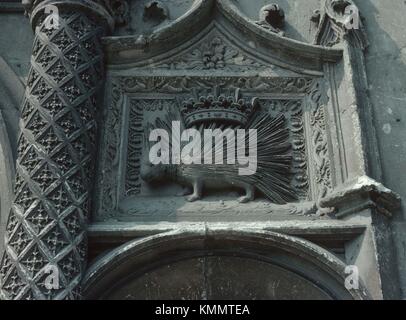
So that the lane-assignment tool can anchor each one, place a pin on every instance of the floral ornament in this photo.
(213, 58)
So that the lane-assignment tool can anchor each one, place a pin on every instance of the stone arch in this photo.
(254, 261)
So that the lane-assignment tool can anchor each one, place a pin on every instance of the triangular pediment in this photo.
(213, 37)
(216, 51)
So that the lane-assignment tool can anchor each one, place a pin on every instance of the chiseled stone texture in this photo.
(386, 71)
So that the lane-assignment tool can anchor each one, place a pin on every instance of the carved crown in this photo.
(218, 108)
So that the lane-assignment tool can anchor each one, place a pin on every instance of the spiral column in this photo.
(46, 230)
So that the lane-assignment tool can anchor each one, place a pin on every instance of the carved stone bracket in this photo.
(46, 230)
(360, 194)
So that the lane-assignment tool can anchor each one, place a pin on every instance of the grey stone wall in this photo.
(386, 71)
(16, 38)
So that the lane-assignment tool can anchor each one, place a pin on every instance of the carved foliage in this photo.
(186, 84)
(319, 140)
(134, 149)
(110, 151)
(212, 53)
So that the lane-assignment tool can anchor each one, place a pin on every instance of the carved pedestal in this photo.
(46, 230)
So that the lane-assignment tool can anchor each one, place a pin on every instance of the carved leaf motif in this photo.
(111, 137)
(320, 143)
(292, 85)
(213, 53)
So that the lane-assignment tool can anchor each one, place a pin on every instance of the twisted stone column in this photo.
(46, 230)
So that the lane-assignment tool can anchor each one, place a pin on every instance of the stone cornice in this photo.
(360, 194)
(135, 48)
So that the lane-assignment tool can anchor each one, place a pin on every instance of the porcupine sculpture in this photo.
(274, 151)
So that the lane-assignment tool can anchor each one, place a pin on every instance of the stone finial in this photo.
(339, 6)
(27, 4)
(120, 11)
(156, 12)
(272, 17)
(316, 16)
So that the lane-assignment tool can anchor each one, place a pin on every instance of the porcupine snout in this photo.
(150, 172)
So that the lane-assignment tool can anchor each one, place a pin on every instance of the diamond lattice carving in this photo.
(54, 168)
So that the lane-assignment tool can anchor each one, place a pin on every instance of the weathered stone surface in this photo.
(219, 278)
(49, 214)
(11, 93)
(342, 102)
(218, 263)
(386, 71)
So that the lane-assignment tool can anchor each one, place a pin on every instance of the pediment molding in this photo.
(126, 51)
(213, 52)
(216, 50)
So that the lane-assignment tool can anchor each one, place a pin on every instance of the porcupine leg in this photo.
(197, 191)
(249, 194)
(186, 190)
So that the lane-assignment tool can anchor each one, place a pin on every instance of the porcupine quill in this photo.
(274, 159)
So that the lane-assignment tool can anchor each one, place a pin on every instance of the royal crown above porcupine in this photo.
(230, 116)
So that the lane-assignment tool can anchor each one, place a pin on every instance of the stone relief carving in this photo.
(212, 53)
(52, 178)
(55, 151)
(161, 84)
(319, 138)
(135, 141)
(294, 110)
(109, 154)
(272, 176)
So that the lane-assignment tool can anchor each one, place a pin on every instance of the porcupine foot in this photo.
(197, 191)
(249, 194)
(185, 192)
(193, 198)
